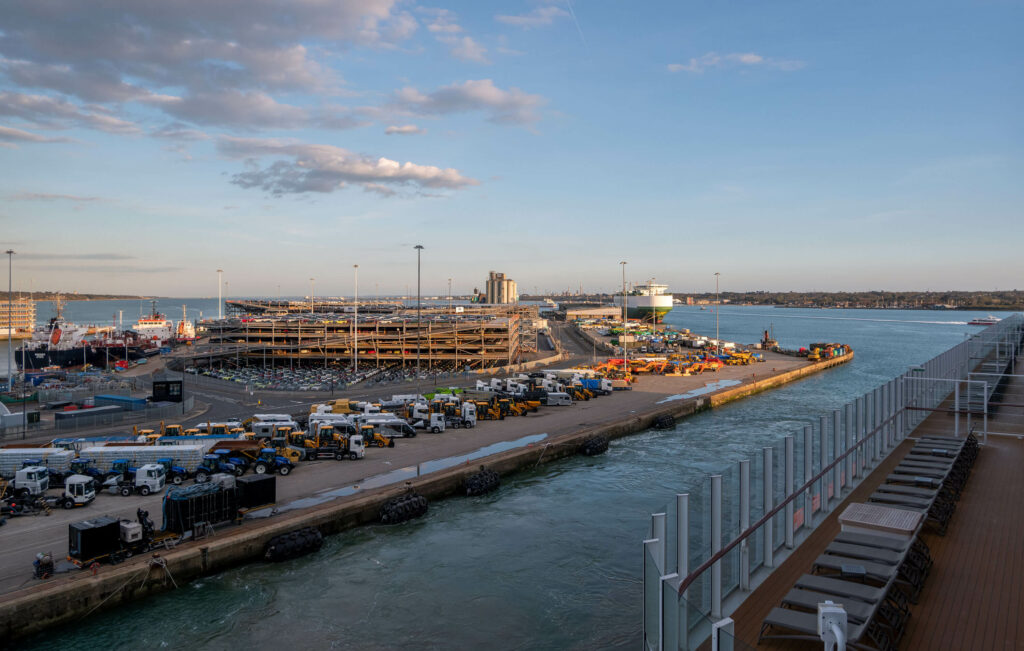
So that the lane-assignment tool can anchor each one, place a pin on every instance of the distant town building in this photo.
(500, 289)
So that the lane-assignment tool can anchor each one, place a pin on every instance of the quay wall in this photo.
(72, 597)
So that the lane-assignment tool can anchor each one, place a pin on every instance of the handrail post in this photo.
(837, 475)
(769, 545)
(744, 523)
(823, 482)
(850, 470)
(789, 491)
(984, 431)
(808, 473)
(716, 546)
(956, 409)
(683, 564)
(658, 529)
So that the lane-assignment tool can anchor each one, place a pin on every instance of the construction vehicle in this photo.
(171, 430)
(270, 461)
(175, 474)
(192, 431)
(147, 478)
(212, 465)
(219, 429)
(228, 456)
(373, 437)
(488, 410)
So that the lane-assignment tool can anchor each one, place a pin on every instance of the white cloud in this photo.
(504, 106)
(465, 48)
(56, 113)
(45, 196)
(232, 107)
(405, 130)
(713, 60)
(9, 136)
(539, 17)
(299, 167)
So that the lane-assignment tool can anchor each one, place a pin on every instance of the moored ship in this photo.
(648, 302)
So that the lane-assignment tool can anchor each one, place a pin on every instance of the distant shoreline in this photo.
(51, 296)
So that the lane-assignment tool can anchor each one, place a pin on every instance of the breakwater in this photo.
(67, 599)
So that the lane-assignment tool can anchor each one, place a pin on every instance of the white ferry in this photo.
(648, 302)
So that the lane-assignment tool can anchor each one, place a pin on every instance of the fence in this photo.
(765, 507)
(86, 421)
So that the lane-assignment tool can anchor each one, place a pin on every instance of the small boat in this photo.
(987, 321)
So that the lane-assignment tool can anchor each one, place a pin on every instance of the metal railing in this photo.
(692, 577)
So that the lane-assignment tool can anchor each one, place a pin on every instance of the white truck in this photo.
(30, 481)
(434, 422)
(79, 490)
(148, 478)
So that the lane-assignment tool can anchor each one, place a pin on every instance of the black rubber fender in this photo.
(293, 544)
(593, 446)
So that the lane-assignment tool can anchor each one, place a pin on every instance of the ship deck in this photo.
(974, 594)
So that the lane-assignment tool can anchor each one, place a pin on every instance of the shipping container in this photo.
(257, 490)
(93, 538)
(209, 503)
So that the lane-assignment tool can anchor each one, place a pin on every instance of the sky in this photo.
(784, 145)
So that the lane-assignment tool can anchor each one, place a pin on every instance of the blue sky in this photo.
(785, 145)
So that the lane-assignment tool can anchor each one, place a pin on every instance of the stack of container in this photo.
(187, 456)
(211, 503)
(11, 459)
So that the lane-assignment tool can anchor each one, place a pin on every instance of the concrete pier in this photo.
(65, 598)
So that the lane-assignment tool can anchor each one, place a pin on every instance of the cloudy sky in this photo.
(786, 145)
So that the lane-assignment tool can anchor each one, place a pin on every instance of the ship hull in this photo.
(648, 313)
(38, 359)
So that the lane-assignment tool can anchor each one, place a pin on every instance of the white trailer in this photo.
(188, 457)
(11, 459)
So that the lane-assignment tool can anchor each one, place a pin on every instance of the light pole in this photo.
(220, 297)
(622, 339)
(419, 317)
(312, 284)
(449, 296)
(10, 319)
(718, 308)
(355, 322)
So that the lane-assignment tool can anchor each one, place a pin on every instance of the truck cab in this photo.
(31, 481)
(79, 490)
(146, 479)
(173, 430)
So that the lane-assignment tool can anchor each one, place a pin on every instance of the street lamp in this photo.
(718, 308)
(220, 296)
(10, 318)
(419, 316)
(355, 322)
(622, 339)
(312, 284)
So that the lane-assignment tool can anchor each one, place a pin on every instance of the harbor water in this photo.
(551, 560)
